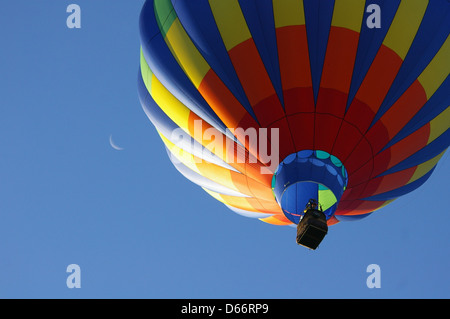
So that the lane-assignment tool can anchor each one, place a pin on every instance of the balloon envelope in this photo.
(268, 103)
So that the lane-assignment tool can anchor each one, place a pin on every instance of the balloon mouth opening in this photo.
(306, 175)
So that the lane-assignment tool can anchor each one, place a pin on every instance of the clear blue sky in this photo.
(135, 226)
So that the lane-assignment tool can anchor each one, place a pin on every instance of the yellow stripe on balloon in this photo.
(170, 105)
(437, 70)
(288, 12)
(424, 168)
(439, 125)
(185, 52)
(230, 21)
(348, 14)
(276, 220)
(404, 27)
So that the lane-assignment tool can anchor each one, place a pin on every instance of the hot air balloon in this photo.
(299, 112)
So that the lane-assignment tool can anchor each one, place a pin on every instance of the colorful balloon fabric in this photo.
(268, 103)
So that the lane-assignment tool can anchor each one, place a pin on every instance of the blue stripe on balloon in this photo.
(318, 15)
(261, 23)
(369, 43)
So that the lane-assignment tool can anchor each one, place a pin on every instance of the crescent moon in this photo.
(113, 145)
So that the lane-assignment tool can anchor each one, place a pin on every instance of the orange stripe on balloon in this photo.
(357, 207)
(279, 220)
(222, 101)
(332, 221)
(379, 78)
(251, 204)
(401, 112)
(295, 68)
(245, 184)
(390, 182)
(337, 69)
(255, 80)
(403, 149)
